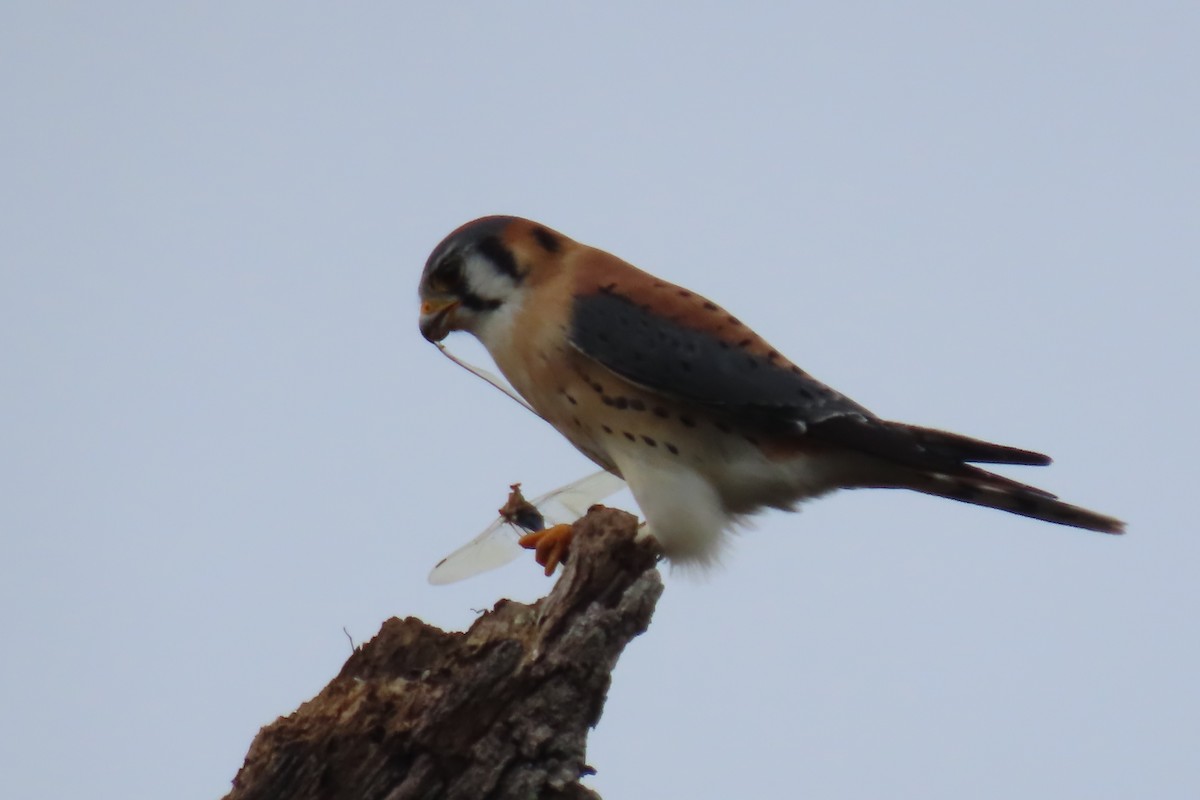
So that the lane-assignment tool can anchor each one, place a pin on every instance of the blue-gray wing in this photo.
(678, 344)
(697, 352)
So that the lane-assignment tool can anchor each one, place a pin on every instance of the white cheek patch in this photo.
(494, 328)
(484, 280)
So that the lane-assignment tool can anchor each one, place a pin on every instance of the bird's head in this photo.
(481, 270)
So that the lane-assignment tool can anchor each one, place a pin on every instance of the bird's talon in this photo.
(549, 546)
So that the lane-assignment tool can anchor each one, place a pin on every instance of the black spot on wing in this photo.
(665, 356)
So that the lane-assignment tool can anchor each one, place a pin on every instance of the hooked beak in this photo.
(437, 318)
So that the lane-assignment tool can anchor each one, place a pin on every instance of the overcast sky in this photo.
(224, 440)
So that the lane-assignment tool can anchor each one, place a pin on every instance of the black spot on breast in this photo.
(630, 436)
(649, 441)
(672, 449)
(688, 422)
(621, 403)
(773, 356)
(734, 321)
(659, 411)
(710, 306)
(572, 400)
(637, 405)
(547, 240)
(606, 429)
(744, 343)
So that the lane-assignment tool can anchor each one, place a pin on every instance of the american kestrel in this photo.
(705, 421)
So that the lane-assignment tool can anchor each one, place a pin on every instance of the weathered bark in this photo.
(501, 711)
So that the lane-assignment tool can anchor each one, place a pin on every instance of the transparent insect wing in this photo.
(497, 544)
(494, 547)
(570, 502)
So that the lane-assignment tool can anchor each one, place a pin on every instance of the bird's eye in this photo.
(448, 275)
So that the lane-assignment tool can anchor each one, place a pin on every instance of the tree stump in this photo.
(500, 711)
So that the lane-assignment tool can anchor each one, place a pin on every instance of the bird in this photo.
(705, 421)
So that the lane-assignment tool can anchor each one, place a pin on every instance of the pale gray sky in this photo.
(224, 439)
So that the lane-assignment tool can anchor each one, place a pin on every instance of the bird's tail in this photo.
(982, 488)
(940, 463)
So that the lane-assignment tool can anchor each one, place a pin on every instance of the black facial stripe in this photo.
(500, 255)
(547, 240)
(449, 274)
(475, 302)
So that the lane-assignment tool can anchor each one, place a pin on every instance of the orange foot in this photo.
(549, 546)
